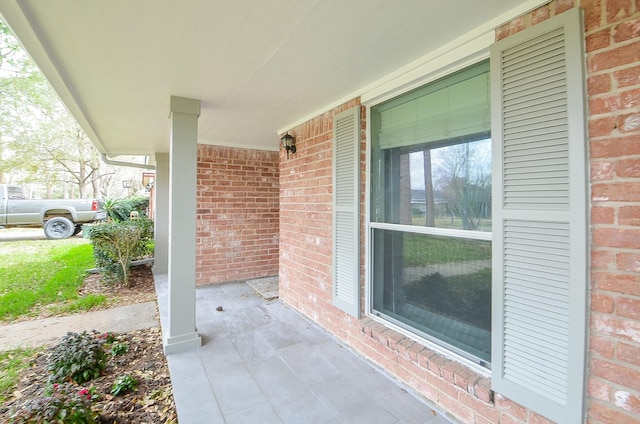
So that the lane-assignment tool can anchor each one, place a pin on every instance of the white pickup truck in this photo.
(60, 218)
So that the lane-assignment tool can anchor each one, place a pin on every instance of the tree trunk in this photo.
(406, 215)
(430, 215)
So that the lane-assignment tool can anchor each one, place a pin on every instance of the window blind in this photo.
(454, 108)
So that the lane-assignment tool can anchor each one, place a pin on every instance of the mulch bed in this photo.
(152, 402)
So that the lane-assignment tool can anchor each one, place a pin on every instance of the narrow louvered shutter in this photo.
(540, 218)
(346, 195)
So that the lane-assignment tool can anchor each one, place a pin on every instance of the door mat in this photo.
(266, 287)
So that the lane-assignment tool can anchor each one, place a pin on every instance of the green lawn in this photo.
(44, 273)
(420, 250)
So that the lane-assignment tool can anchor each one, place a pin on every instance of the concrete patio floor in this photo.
(261, 362)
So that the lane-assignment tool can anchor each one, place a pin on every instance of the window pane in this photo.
(446, 187)
(439, 286)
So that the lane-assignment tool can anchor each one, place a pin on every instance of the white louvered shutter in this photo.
(540, 277)
(346, 195)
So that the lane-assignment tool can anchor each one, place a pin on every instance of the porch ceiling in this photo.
(257, 65)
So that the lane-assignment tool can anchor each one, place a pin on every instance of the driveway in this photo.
(16, 234)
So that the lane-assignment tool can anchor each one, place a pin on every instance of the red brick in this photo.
(628, 261)
(618, 9)
(597, 41)
(604, 104)
(599, 390)
(592, 13)
(628, 168)
(631, 98)
(599, 84)
(602, 171)
(411, 367)
(628, 307)
(627, 30)
(502, 32)
(617, 237)
(616, 374)
(603, 413)
(457, 409)
(540, 14)
(619, 283)
(483, 390)
(604, 259)
(599, 127)
(436, 363)
(602, 346)
(466, 379)
(627, 401)
(629, 215)
(511, 407)
(508, 419)
(483, 409)
(621, 328)
(616, 192)
(628, 123)
(449, 369)
(602, 303)
(628, 353)
(603, 215)
(619, 56)
(415, 351)
(403, 345)
(444, 387)
(627, 77)
(563, 5)
(539, 419)
(615, 147)
(423, 356)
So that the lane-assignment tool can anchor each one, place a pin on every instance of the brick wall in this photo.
(237, 214)
(613, 66)
(305, 207)
(613, 43)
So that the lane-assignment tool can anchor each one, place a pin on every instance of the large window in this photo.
(431, 212)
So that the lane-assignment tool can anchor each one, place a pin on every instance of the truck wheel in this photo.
(58, 228)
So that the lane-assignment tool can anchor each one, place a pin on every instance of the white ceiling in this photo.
(257, 65)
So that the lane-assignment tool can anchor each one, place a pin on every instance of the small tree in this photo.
(116, 244)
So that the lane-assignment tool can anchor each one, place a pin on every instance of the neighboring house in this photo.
(530, 316)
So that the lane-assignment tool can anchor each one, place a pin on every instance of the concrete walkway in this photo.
(48, 330)
(261, 362)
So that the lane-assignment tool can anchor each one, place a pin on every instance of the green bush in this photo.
(120, 209)
(116, 244)
(64, 405)
(77, 357)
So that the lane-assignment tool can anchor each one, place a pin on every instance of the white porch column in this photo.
(182, 334)
(161, 219)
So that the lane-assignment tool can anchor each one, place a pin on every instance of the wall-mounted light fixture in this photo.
(289, 143)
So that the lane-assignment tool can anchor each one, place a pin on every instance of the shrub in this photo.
(116, 244)
(139, 204)
(79, 357)
(64, 405)
(119, 209)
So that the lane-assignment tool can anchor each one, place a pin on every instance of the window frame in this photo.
(372, 226)
(465, 60)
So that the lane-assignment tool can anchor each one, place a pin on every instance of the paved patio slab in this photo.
(261, 362)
